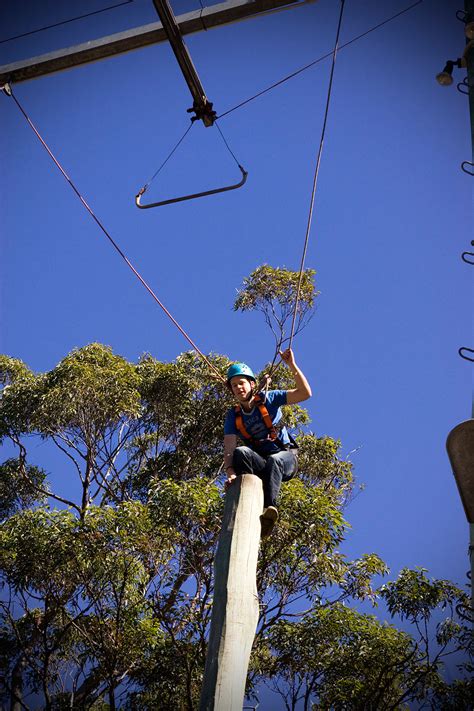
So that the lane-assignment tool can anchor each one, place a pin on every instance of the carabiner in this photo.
(193, 196)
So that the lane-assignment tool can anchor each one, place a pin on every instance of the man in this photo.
(269, 452)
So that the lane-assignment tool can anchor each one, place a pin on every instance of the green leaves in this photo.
(267, 285)
(19, 397)
(89, 390)
(19, 486)
(273, 292)
(117, 589)
(13, 370)
(414, 596)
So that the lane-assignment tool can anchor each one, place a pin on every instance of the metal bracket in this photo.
(193, 196)
(6, 88)
(203, 112)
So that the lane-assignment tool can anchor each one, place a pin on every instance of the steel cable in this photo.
(112, 241)
(316, 61)
(146, 186)
(65, 22)
(316, 172)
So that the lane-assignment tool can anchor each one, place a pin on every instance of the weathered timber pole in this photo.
(235, 607)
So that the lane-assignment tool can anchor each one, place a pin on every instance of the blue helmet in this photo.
(239, 369)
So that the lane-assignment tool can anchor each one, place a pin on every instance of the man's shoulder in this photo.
(275, 396)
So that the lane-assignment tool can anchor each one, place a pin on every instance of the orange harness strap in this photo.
(239, 422)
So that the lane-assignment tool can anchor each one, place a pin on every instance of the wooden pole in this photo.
(235, 608)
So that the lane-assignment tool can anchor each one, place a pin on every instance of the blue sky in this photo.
(392, 216)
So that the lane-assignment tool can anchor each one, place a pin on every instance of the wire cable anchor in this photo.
(466, 169)
(203, 111)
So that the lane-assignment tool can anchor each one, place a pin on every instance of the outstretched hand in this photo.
(288, 357)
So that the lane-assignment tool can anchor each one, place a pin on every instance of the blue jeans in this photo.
(272, 470)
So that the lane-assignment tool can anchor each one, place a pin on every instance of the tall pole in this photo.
(235, 608)
(469, 10)
(460, 442)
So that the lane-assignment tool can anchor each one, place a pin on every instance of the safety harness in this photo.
(272, 432)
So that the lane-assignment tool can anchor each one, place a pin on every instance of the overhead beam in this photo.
(201, 104)
(153, 33)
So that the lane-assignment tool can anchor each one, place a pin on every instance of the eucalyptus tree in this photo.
(106, 561)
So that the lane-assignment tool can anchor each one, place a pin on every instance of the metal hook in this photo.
(465, 612)
(464, 257)
(193, 196)
(466, 357)
(463, 87)
(466, 170)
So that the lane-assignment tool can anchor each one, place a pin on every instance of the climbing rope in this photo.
(316, 172)
(7, 89)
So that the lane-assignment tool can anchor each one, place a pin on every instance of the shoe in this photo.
(268, 520)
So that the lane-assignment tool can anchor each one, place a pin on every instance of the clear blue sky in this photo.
(392, 216)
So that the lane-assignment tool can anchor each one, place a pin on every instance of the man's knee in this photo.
(241, 457)
(274, 460)
(285, 463)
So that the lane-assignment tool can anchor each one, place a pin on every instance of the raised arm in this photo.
(303, 389)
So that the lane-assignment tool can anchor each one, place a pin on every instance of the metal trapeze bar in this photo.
(193, 196)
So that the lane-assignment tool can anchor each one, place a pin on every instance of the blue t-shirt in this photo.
(255, 426)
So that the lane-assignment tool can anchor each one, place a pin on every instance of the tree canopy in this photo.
(106, 563)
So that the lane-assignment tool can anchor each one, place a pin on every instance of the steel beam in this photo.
(190, 22)
(201, 104)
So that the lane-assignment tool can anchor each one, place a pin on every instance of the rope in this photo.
(226, 144)
(316, 172)
(65, 22)
(147, 185)
(113, 243)
(316, 61)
